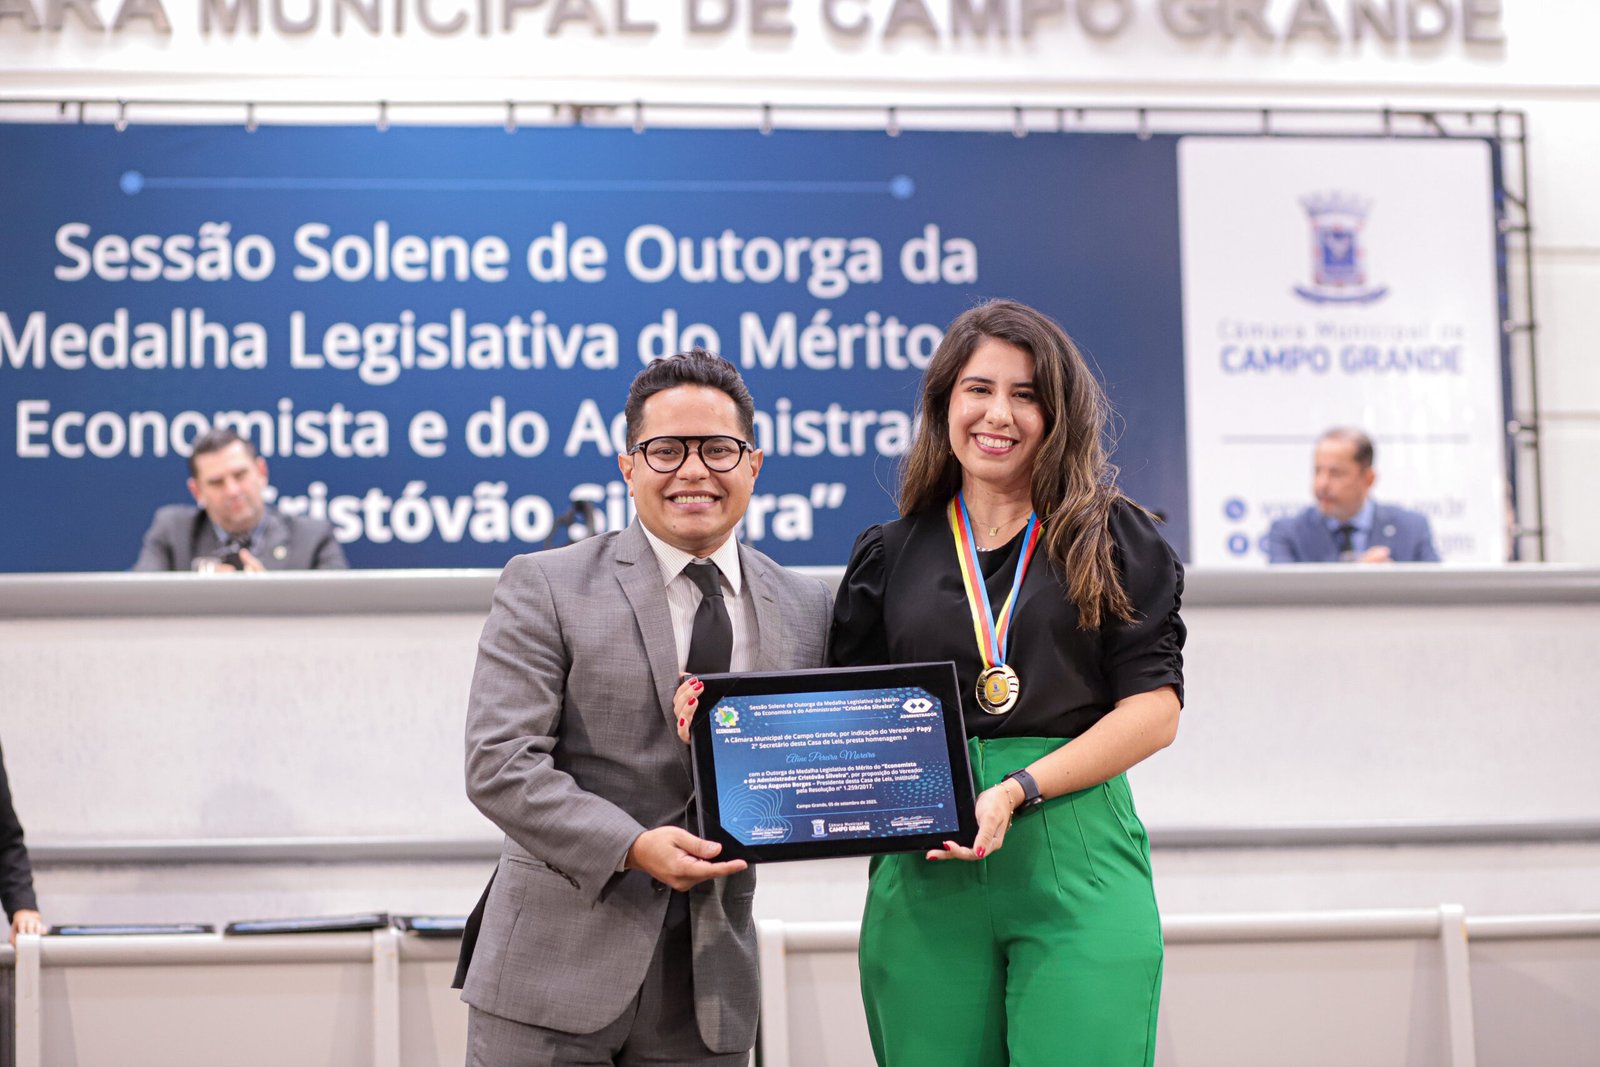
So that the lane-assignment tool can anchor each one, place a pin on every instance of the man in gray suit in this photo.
(610, 934)
(231, 528)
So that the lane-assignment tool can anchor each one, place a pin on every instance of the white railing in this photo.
(1447, 925)
(384, 951)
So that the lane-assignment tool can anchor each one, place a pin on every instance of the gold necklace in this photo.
(994, 531)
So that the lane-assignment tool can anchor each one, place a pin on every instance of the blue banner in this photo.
(429, 332)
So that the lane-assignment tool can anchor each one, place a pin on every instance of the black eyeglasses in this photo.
(666, 454)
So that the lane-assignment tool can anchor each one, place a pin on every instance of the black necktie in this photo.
(711, 640)
(710, 652)
(1347, 544)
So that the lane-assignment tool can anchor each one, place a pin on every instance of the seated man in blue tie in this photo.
(1347, 525)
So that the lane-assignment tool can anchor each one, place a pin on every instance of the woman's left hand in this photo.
(994, 809)
(684, 703)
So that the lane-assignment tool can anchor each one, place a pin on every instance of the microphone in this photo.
(229, 552)
(582, 520)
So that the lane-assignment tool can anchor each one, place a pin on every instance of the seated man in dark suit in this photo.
(1347, 525)
(232, 528)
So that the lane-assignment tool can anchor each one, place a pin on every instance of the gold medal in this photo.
(998, 684)
(998, 689)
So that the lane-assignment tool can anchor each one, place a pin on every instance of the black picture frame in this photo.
(937, 679)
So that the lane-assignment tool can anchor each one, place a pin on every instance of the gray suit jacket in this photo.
(573, 751)
(181, 532)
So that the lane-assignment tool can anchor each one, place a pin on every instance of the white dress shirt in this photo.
(683, 597)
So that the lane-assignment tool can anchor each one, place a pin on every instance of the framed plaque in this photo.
(813, 764)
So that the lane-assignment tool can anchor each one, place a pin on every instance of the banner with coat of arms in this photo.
(430, 331)
(1341, 283)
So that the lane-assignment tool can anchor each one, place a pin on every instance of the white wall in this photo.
(136, 713)
(1461, 698)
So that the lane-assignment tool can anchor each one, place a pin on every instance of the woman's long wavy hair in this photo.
(1074, 484)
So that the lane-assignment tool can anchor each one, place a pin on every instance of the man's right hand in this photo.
(678, 859)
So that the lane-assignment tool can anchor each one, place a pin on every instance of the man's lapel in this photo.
(203, 538)
(1324, 537)
(1383, 528)
(769, 620)
(273, 540)
(640, 577)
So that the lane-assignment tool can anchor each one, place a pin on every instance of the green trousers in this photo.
(1047, 952)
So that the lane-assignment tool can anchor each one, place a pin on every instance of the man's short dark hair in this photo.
(696, 367)
(1357, 439)
(215, 440)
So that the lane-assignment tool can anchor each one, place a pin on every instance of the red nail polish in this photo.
(698, 684)
(980, 853)
(693, 701)
(682, 721)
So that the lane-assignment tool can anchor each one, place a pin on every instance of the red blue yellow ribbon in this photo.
(993, 635)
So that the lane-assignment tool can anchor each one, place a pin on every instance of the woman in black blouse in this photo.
(1050, 951)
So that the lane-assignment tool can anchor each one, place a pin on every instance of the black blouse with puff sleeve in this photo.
(901, 601)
